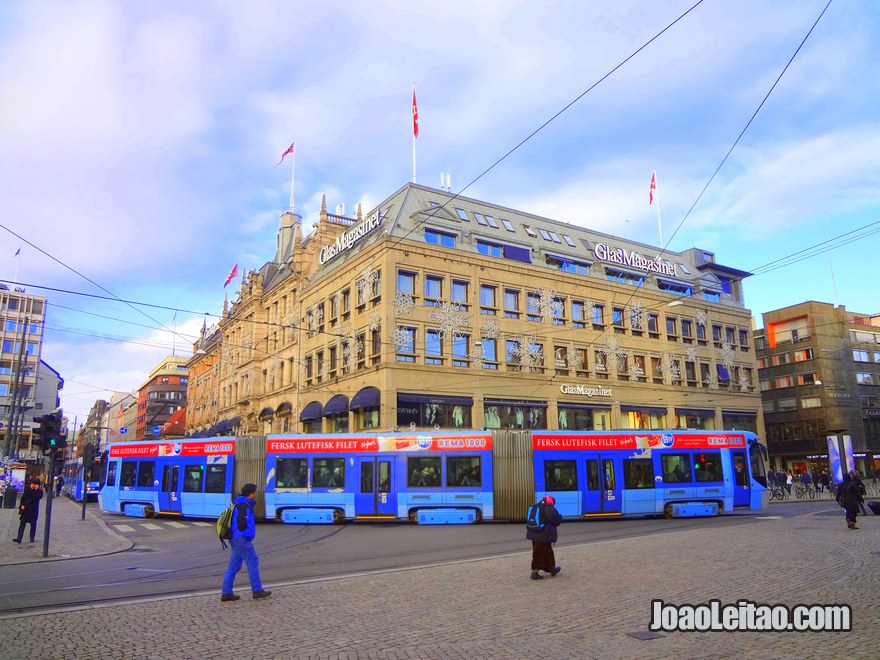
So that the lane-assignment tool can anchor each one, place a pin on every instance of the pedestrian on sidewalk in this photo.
(859, 485)
(242, 546)
(848, 496)
(542, 540)
(29, 509)
(59, 484)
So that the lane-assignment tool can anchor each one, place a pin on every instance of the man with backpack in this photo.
(543, 519)
(241, 542)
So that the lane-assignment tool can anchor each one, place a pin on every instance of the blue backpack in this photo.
(534, 520)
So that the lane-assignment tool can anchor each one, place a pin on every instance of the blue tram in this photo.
(80, 482)
(441, 477)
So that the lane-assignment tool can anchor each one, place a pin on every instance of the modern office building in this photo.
(160, 396)
(819, 375)
(434, 311)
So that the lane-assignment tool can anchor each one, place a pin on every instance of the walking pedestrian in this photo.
(849, 496)
(29, 509)
(59, 484)
(859, 485)
(542, 540)
(242, 546)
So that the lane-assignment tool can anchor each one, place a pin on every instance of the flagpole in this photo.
(659, 224)
(17, 261)
(292, 175)
(415, 119)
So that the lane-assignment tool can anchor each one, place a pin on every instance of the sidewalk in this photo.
(70, 536)
(490, 609)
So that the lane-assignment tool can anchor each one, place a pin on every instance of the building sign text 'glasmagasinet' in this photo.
(585, 390)
(349, 238)
(633, 259)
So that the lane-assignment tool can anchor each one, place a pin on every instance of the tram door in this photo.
(602, 494)
(375, 488)
(742, 492)
(169, 496)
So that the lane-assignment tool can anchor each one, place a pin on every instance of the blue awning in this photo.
(723, 375)
(518, 254)
(742, 413)
(675, 283)
(570, 260)
(267, 413)
(312, 412)
(516, 403)
(652, 410)
(696, 412)
(369, 397)
(284, 408)
(435, 398)
(337, 405)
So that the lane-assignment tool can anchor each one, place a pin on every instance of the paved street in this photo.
(490, 609)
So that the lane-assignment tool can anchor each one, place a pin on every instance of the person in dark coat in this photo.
(242, 546)
(849, 496)
(29, 510)
(542, 540)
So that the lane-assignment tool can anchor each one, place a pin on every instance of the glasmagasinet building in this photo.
(433, 311)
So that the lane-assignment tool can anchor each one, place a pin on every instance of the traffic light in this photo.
(48, 434)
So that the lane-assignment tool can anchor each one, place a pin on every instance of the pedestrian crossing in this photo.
(131, 527)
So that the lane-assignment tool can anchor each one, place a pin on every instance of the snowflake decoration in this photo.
(691, 355)
(310, 321)
(489, 328)
(351, 351)
(403, 302)
(727, 354)
(590, 309)
(669, 368)
(324, 371)
(548, 305)
(450, 321)
(477, 356)
(292, 320)
(367, 280)
(744, 384)
(335, 299)
(575, 361)
(319, 314)
(700, 318)
(611, 349)
(526, 353)
(375, 320)
(637, 313)
(400, 337)
(711, 382)
(635, 373)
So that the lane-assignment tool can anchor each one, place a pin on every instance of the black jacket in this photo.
(552, 517)
(29, 507)
(849, 495)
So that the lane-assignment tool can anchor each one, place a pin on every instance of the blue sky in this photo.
(139, 141)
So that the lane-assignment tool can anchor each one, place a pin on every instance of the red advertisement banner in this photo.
(194, 448)
(376, 443)
(637, 440)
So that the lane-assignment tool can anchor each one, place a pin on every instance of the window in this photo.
(860, 356)
(111, 473)
(784, 381)
(433, 347)
(568, 265)
(406, 282)
(480, 219)
(787, 404)
(544, 234)
(433, 290)
(463, 471)
(462, 214)
(653, 323)
(490, 249)
(560, 475)
(530, 231)
(676, 468)
(487, 299)
(712, 296)
(490, 354)
(291, 473)
(707, 467)
(811, 402)
(701, 333)
(460, 345)
(687, 328)
(511, 303)
(328, 473)
(638, 473)
(129, 471)
(781, 358)
(146, 472)
(192, 478)
(507, 225)
(599, 316)
(407, 347)
(423, 471)
(716, 334)
(533, 307)
(577, 314)
(671, 326)
(864, 379)
(215, 481)
(459, 292)
(615, 275)
(744, 338)
(568, 240)
(439, 238)
(491, 221)
(806, 379)
(617, 317)
(554, 237)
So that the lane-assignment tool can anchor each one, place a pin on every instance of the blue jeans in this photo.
(242, 551)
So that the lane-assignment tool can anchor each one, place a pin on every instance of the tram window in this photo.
(192, 478)
(423, 471)
(384, 476)
(593, 474)
(560, 475)
(676, 468)
(707, 466)
(146, 470)
(609, 475)
(638, 473)
(291, 473)
(463, 471)
(129, 471)
(216, 479)
(366, 477)
(739, 469)
(329, 472)
(111, 473)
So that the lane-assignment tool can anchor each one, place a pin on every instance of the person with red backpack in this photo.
(542, 533)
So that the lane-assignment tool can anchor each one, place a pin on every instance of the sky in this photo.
(139, 143)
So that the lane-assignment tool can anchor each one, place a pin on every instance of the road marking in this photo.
(174, 523)
(203, 524)
(768, 517)
(123, 528)
(150, 526)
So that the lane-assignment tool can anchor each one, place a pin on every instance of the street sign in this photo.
(123, 430)
(157, 430)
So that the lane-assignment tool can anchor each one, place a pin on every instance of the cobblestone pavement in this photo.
(70, 537)
(490, 609)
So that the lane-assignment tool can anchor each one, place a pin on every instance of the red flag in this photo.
(415, 110)
(288, 151)
(652, 188)
(234, 271)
